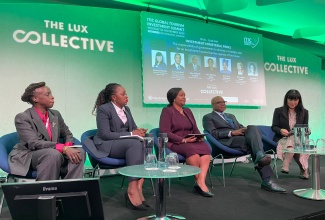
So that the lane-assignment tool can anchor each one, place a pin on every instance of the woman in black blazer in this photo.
(284, 119)
(114, 119)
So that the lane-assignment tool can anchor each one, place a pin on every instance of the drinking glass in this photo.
(320, 144)
(309, 145)
(171, 163)
(175, 156)
(150, 162)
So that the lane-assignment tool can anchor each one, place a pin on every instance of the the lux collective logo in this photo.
(252, 42)
(61, 40)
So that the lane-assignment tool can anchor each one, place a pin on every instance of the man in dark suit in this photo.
(194, 67)
(228, 131)
(177, 65)
(39, 130)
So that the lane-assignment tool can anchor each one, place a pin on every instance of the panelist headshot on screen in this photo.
(252, 69)
(210, 66)
(159, 62)
(240, 68)
(194, 66)
(225, 67)
(177, 62)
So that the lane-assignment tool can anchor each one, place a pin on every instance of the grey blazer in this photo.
(219, 128)
(33, 136)
(108, 130)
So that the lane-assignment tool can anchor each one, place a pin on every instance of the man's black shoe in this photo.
(272, 187)
(262, 160)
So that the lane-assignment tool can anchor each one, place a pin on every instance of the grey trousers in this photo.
(53, 165)
(130, 149)
(252, 141)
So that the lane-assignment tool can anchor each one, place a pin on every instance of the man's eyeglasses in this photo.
(221, 102)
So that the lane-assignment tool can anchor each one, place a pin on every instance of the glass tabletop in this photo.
(317, 151)
(139, 171)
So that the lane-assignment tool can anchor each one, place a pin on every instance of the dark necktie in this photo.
(228, 120)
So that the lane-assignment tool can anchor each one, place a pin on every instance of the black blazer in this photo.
(108, 130)
(281, 121)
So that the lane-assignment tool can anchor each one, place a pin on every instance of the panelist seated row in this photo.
(39, 129)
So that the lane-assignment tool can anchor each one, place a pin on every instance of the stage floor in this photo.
(242, 198)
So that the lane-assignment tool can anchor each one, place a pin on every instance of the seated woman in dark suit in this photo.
(114, 119)
(178, 122)
(284, 119)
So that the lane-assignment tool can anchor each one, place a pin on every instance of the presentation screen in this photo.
(206, 60)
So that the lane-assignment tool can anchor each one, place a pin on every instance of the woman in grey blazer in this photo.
(39, 130)
(114, 119)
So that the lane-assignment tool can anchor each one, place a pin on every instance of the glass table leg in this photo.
(161, 204)
(314, 193)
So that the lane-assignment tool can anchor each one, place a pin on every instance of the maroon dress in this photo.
(177, 126)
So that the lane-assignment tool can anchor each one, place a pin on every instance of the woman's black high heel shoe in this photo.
(197, 189)
(304, 174)
(145, 203)
(285, 171)
(138, 207)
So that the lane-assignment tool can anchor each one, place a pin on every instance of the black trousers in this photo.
(251, 143)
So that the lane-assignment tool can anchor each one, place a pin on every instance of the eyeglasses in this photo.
(221, 102)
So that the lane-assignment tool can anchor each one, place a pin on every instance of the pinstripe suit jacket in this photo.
(34, 136)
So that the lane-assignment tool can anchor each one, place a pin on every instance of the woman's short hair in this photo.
(172, 94)
(29, 92)
(159, 54)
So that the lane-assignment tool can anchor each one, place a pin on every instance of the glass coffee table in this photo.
(160, 175)
(315, 192)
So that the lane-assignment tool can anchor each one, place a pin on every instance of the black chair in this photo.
(268, 144)
(221, 151)
(104, 163)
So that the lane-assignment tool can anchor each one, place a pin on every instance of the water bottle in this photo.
(301, 134)
(162, 150)
(150, 159)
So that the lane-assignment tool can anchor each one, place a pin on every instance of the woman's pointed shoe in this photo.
(138, 207)
(145, 203)
(197, 189)
(285, 171)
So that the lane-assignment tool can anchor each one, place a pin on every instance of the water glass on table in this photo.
(309, 145)
(175, 156)
(172, 161)
(320, 144)
(150, 162)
